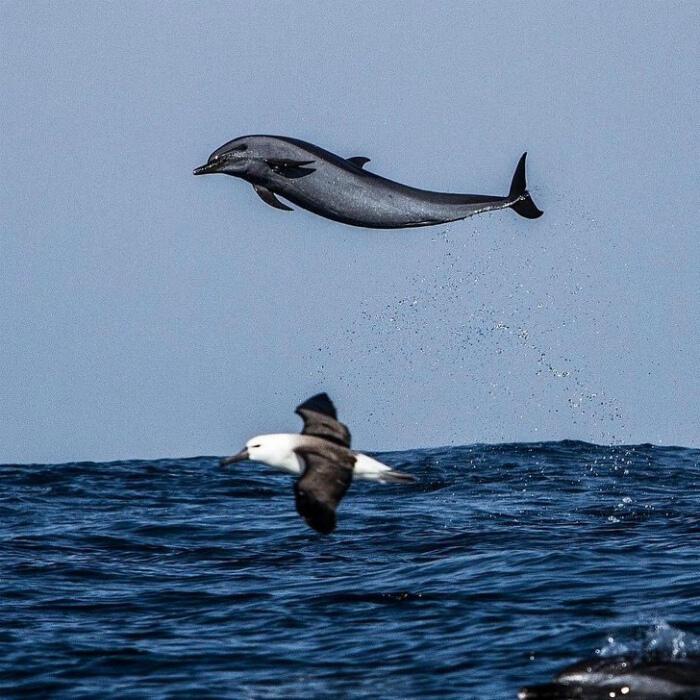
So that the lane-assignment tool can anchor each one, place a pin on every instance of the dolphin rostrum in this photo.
(341, 189)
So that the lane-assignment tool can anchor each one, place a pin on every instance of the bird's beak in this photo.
(239, 457)
(211, 167)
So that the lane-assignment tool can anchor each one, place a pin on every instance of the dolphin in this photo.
(342, 189)
(647, 678)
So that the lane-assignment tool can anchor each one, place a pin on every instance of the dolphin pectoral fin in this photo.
(269, 198)
(359, 161)
(291, 168)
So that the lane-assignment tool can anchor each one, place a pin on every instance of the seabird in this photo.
(321, 455)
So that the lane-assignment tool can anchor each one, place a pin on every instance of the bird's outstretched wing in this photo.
(321, 420)
(326, 478)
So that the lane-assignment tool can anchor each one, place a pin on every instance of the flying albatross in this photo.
(321, 455)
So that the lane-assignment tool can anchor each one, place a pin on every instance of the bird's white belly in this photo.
(286, 460)
(290, 463)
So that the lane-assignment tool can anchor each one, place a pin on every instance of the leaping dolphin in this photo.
(341, 189)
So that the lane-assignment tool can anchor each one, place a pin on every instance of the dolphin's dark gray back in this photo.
(601, 678)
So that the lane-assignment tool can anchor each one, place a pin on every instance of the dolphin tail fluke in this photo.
(521, 200)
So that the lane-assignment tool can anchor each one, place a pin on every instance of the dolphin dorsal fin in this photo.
(269, 198)
(359, 161)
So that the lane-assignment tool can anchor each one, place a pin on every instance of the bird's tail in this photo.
(391, 476)
(519, 196)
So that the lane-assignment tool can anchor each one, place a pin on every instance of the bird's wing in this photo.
(326, 478)
(321, 420)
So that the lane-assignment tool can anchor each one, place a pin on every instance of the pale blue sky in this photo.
(146, 313)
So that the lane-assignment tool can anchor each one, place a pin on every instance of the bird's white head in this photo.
(274, 450)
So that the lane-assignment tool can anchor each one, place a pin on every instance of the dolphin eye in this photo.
(254, 446)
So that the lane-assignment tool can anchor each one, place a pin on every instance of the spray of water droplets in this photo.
(489, 321)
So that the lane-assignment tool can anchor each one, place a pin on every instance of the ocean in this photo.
(176, 578)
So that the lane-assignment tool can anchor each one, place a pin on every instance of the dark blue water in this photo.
(177, 579)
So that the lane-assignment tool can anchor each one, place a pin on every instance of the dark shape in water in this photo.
(647, 678)
(341, 189)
